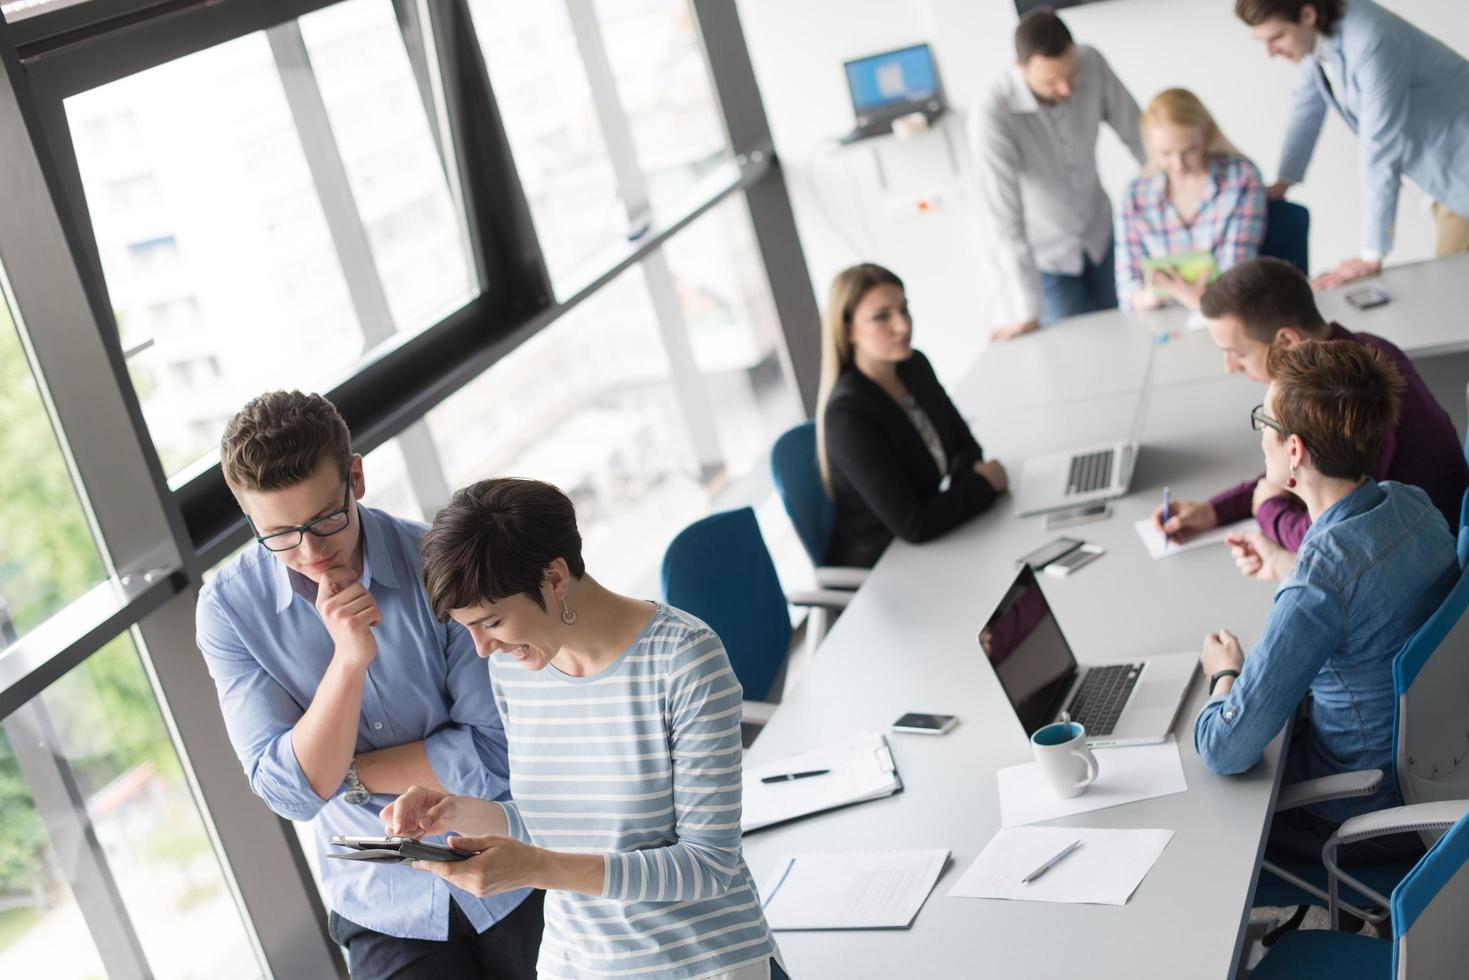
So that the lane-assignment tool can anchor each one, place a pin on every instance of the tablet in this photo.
(1187, 265)
(395, 850)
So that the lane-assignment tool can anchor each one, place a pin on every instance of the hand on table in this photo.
(1221, 652)
(1012, 330)
(994, 473)
(1349, 269)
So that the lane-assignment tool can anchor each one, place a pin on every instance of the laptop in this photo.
(1052, 481)
(892, 84)
(1119, 704)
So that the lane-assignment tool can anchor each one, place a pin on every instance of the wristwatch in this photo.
(356, 794)
(1213, 682)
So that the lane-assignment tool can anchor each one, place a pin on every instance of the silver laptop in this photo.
(1119, 704)
(1078, 476)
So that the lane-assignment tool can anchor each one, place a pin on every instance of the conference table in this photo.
(908, 642)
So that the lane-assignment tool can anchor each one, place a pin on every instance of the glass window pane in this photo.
(667, 94)
(221, 261)
(47, 554)
(543, 96)
(107, 736)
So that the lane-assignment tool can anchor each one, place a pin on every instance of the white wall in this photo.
(859, 202)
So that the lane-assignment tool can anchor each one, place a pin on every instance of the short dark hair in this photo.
(1256, 12)
(1264, 294)
(494, 539)
(1041, 32)
(280, 439)
(1340, 398)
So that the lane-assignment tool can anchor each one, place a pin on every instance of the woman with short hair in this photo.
(622, 719)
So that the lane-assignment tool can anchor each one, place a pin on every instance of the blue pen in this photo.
(1166, 501)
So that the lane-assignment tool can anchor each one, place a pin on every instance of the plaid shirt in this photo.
(1230, 222)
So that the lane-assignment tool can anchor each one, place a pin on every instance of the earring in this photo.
(568, 614)
(1290, 483)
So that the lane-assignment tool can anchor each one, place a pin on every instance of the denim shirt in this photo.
(267, 649)
(1371, 570)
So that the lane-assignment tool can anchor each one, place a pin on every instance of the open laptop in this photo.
(1079, 476)
(892, 84)
(1119, 704)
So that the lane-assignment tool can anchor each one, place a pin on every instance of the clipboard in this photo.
(862, 769)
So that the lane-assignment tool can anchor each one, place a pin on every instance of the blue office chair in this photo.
(1287, 230)
(1464, 531)
(797, 477)
(719, 570)
(1431, 764)
(1429, 908)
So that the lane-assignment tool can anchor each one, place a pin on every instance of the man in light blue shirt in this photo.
(1406, 96)
(340, 690)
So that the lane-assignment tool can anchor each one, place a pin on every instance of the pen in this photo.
(1166, 502)
(788, 776)
(1051, 863)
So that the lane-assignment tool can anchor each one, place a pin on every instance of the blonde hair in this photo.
(847, 290)
(1182, 108)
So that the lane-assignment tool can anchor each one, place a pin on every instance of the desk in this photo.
(908, 643)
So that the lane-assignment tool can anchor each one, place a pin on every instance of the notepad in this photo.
(1105, 870)
(1154, 540)
(850, 889)
(861, 769)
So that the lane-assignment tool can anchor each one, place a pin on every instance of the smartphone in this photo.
(1367, 297)
(1072, 560)
(1047, 553)
(1072, 516)
(920, 724)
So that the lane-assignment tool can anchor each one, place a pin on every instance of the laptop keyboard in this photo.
(1098, 703)
(1089, 472)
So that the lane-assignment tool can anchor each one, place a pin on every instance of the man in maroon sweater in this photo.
(1265, 301)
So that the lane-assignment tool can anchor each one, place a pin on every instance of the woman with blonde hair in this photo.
(1197, 194)
(895, 454)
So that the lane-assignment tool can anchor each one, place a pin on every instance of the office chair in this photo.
(1287, 229)
(797, 478)
(1432, 768)
(1429, 907)
(719, 570)
(1464, 531)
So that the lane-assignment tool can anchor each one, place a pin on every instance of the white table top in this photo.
(1426, 315)
(908, 643)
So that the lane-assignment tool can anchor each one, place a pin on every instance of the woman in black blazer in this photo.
(896, 456)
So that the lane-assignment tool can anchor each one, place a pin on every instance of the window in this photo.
(98, 733)
(47, 553)
(220, 203)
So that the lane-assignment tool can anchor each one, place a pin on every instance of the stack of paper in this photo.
(1105, 870)
(1159, 548)
(861, 768)
(851, 889)
(1125, 775)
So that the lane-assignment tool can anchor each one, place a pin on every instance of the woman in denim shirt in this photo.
(1376, 563)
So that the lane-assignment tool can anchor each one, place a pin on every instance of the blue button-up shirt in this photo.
(1371, 570)
(267, 650)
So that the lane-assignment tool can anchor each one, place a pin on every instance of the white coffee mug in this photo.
(1065, 762)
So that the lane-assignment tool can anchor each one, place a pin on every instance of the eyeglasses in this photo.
(1258, 420)
(323, 526)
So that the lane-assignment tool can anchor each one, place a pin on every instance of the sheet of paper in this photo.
(1127, 774)
(861, 769)
(1105, 870)
(1154, 540)
(850, 889)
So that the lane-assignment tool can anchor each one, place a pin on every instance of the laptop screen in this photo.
(893, 78)
(1030, 656)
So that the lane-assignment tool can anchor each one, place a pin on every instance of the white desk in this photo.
(1426, 315)
(908, 643)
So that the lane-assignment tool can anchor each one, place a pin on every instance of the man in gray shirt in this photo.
(1034, 137)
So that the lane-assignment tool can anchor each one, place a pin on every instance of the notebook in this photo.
(861, 769)
(850, 889)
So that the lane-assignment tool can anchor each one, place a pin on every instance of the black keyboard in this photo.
(1092, 471)
(1098, 703)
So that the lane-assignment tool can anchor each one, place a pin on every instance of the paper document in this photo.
(1125, 775)
(850, 889)
(1105, 870)
(862, 768)
(1154, 540)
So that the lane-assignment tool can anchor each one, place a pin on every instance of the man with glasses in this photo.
(1266, 301)
(340, 690)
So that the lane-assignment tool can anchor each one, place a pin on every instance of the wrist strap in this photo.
(1214, 680)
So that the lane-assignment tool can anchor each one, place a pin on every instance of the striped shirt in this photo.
(640, 763)
(1230, 222)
